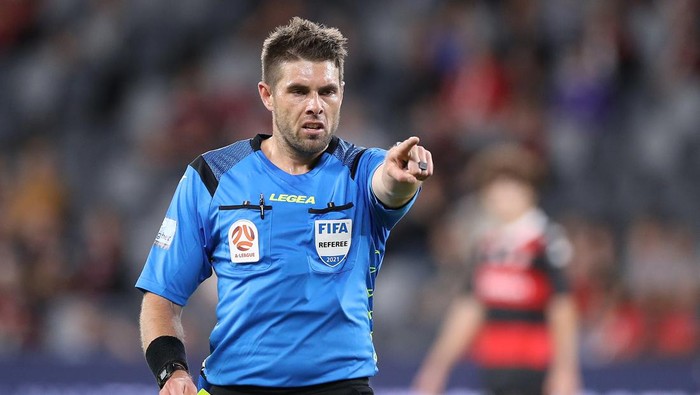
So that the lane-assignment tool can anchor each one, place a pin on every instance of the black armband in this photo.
(165, 355)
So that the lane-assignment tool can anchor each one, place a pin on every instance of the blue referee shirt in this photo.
(296, 258)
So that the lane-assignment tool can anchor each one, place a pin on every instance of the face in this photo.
(507, 199)
(305, 104)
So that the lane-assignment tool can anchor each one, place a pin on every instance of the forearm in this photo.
(159, 317)
(564, 329)
(463, 321)
(162, 339)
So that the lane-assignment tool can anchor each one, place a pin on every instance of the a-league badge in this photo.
(243, 242)
(332, 239)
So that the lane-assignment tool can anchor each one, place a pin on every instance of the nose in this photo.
(313, 104)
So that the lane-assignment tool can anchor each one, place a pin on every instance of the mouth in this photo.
(313, 127)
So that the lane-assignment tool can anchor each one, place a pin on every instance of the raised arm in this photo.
(406, 166)
(162, 338)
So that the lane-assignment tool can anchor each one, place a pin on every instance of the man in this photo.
(515, 312)
(294, 224)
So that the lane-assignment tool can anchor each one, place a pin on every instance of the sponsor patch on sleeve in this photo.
(166, 233)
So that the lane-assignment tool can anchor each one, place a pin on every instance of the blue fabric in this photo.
(293, 309)
(223, 159)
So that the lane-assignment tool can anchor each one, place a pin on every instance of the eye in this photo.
(328, 91)
(297, 90)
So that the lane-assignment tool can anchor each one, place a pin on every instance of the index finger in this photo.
(404, 147)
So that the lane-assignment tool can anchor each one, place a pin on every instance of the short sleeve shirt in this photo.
(296, 257)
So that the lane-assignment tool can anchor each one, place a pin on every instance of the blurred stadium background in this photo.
(103, 103)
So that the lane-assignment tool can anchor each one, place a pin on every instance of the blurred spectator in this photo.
(101, 269)
(16, 18)
(611, 326)
(34, 253)
(196, 121)
(14, 314)
(662, 273)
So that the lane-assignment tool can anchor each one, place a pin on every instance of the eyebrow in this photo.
(329, 86)
(295, 86)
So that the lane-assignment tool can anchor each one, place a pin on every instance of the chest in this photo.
(262, 223)
(506, 252)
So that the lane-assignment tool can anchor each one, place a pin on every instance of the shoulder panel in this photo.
(213, 164)
(206, 174)
(348, 154)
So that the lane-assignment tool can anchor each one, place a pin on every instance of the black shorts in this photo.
(342, 387)
(513, 381)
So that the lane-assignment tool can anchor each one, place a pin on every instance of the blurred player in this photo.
(515, 313)
(295, 225)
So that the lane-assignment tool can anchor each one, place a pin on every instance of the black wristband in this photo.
(162, 353)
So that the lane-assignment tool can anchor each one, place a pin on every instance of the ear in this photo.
(342, 90)
(265, 92)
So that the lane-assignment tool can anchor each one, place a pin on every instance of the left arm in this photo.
(563, 377)
(405, 167)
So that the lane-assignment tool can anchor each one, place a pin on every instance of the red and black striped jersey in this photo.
(516, 270)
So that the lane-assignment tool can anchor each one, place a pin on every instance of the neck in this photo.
(285, 159)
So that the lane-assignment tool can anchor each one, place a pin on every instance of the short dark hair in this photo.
(302, 39)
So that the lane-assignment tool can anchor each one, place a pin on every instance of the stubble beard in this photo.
(304, 147)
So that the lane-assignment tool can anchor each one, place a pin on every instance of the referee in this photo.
(295, 225)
